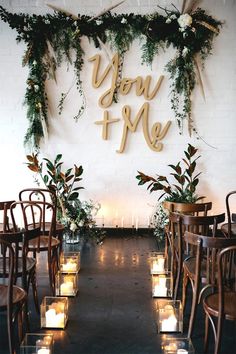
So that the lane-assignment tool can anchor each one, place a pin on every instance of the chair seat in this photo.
(211, 302)
(30, 264)
(224, 229)
(33, 244)
(19, 295)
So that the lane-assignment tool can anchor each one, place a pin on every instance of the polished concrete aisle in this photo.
(114, 312)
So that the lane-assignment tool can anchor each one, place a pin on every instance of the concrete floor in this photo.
(114, 312)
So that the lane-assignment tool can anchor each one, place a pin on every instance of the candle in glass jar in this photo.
(169, 324)
(160, 289)
(54, 319)
(67, 288)
(70, 266)
(43, 351)
(158, 265)
(179, 351)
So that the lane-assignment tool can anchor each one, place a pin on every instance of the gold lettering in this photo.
(143, 87)
(106, 99)
(156, 133)
(106, 120)
(125, 85)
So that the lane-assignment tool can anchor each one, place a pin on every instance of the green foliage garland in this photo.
(51, 39)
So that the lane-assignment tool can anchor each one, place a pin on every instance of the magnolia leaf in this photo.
(77, 188)
(78, 170)
(73, 196)
(33, 168)
(45, 179)
(68, 172)
(30, 158)
(77, 179)
(192, 150)
(67, 179)
(58, 158)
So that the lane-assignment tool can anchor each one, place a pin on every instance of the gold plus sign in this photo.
(105, 123)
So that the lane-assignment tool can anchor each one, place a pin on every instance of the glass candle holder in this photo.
(37, 343)
(70, 262)
(54, 312)
(162, 285)
(169, 316)
(172, 345)
(66, 284)
(158, 263)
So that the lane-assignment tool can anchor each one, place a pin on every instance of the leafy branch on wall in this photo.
(51, 39)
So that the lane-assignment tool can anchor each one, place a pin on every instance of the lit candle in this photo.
(43, 351)
(158, 265)
(50, 318)
(160, 288)
(136, 224)
(122, 221)
(179, 351)
(132, 220)
(148, 221)
(169, 324)
(54, 319)
(67, 288)
(70, 266)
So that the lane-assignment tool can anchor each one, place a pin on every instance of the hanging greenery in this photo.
(51, 39)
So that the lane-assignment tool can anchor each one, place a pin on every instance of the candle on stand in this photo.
(179, 351)
(148, 221)
(122, 221)
(132, 220)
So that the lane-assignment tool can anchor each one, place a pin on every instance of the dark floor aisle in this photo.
(114, 311)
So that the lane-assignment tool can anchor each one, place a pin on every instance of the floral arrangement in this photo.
(50, 39)
(160, 221)
(74, 214)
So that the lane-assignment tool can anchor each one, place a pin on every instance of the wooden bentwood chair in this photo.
(44, 195)
(200, 268)
(173, 244)
(229, 229)
(221, 304)
(38, 215)
(13, 299)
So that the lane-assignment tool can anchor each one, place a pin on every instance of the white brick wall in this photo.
(110, 177)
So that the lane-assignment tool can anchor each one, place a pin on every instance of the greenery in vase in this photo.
(71, 212)
(182, 190)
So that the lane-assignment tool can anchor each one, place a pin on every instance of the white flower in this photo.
(34, 62)
(47, 22)
(36, 88)
(185, 51)
(181, 29)
(168, 20)
(98, 22)
(123, 20)
(185, 20)
(73, 227)
(173, 17)
(81, 223)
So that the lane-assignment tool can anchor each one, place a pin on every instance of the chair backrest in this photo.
(208, 248)
(19, 239)
(224, 256)
(204, 225)
(5, 208)
(34, 215)
(196, 209)
(38, 194)
(229, 211)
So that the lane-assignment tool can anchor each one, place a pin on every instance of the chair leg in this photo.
(218, 335)
(10, 331)
(184, 291)
(35, 291)
(193, 310)
(206, 337)
(177, 280)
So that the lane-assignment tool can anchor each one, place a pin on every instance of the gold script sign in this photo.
(153, 138)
